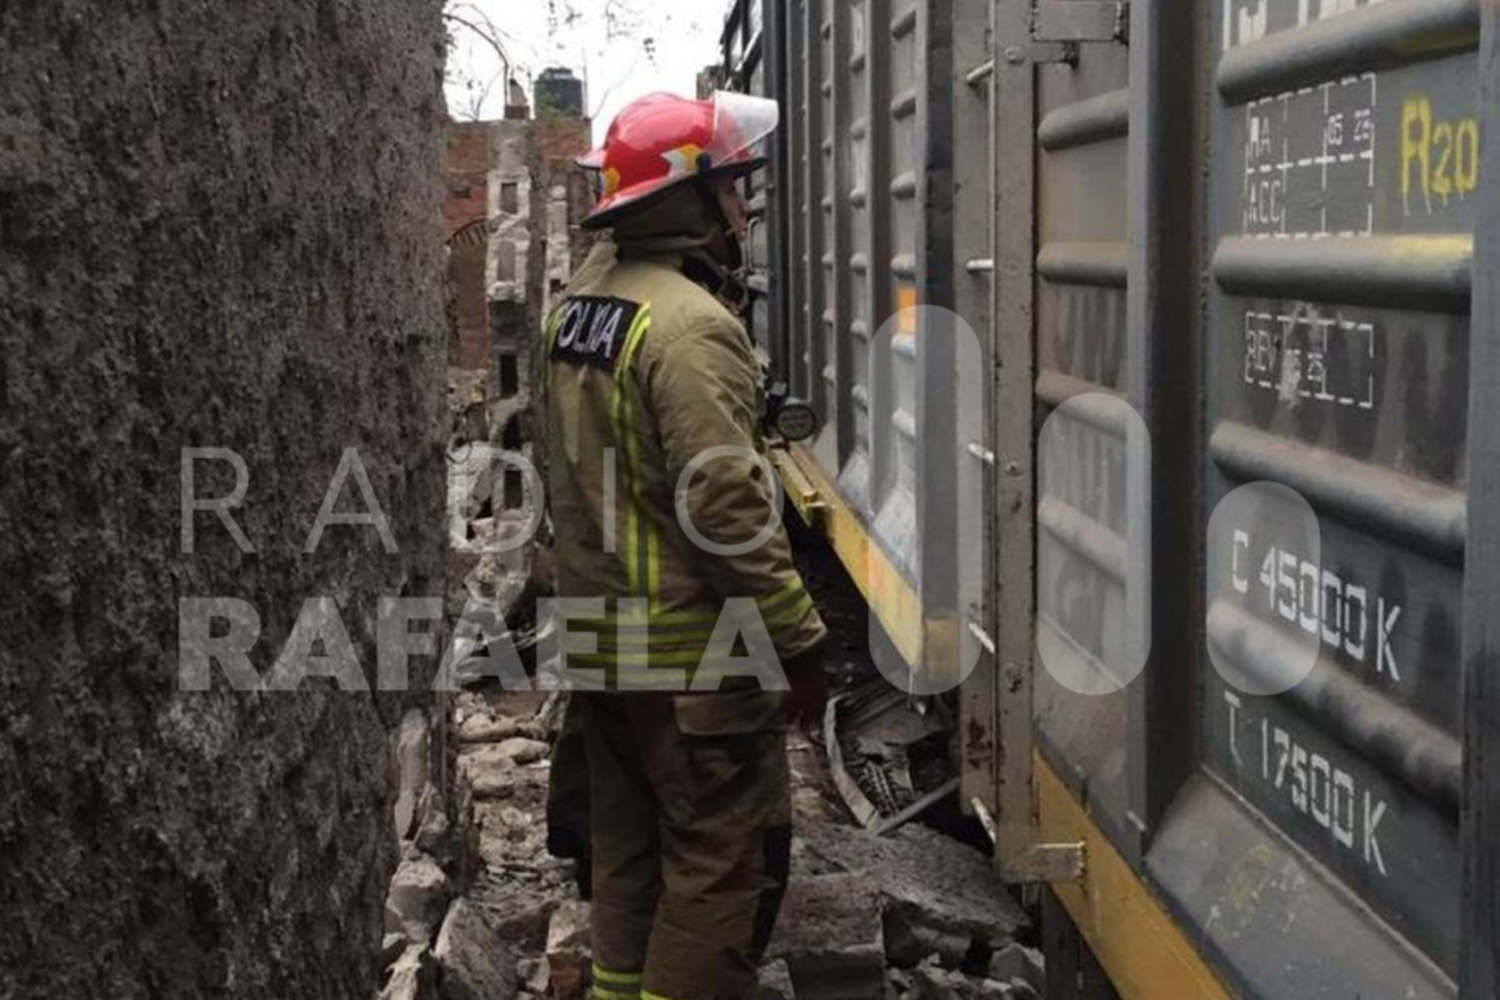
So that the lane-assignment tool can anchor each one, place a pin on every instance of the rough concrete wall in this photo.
(219, 226)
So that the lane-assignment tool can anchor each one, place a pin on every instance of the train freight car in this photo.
(1211, 501)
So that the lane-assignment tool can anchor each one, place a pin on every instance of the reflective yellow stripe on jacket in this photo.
(642, 548)
(629, 644)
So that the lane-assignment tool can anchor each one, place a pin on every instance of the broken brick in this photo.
(568, 951)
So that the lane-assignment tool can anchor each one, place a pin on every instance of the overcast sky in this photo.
(624, 49)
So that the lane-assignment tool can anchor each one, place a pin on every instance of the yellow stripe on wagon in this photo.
(895, 602)
(1141, 947)
(1143, 950)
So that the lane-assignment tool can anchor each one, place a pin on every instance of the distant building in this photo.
(559, 94)
(516, 201)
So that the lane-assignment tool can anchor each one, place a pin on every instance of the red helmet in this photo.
(661, 141)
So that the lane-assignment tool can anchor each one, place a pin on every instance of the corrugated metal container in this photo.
(1254, 221)
(856, 233)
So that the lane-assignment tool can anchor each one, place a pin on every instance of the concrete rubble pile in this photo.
(913, 916)
(437, 858)
(514, 205)
(473, 900)
(495, 591)
(910, 916)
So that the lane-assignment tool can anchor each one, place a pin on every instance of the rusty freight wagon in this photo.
(1201, 247)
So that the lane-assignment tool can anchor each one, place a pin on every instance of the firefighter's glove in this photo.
(809, 680)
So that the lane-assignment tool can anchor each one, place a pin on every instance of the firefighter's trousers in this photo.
(568, 800)
(691, 841)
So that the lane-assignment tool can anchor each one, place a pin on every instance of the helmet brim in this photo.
(624, 207)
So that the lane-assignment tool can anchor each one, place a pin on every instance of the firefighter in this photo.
(662, 507)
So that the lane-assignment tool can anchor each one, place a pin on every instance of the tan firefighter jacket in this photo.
(642, 371)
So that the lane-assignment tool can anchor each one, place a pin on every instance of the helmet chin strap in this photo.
(726, 285)
(725, 280)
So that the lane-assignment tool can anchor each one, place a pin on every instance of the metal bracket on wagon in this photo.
(1046, 864)
(1042, 864)
(803, 495)
(1058, 29)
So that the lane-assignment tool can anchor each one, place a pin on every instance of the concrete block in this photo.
(910, 937)
(831, 939)
(534, 975)
(1022, 990)
(937, 890)
(413, 757)
(1019, 962)
(477, 961)
(419, 895)
(518, 751)
(392, 947)
(413, 977)
(479, 728)
(776, 982)
(930, 981)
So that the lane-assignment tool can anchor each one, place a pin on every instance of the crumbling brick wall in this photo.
(559, 143)
(466, 166)
(221, 228)
(534, 198)
(517, 293)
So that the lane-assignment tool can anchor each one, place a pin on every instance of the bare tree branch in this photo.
(596, 27)
(477, 101)
(488, 35)
(604, 98)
